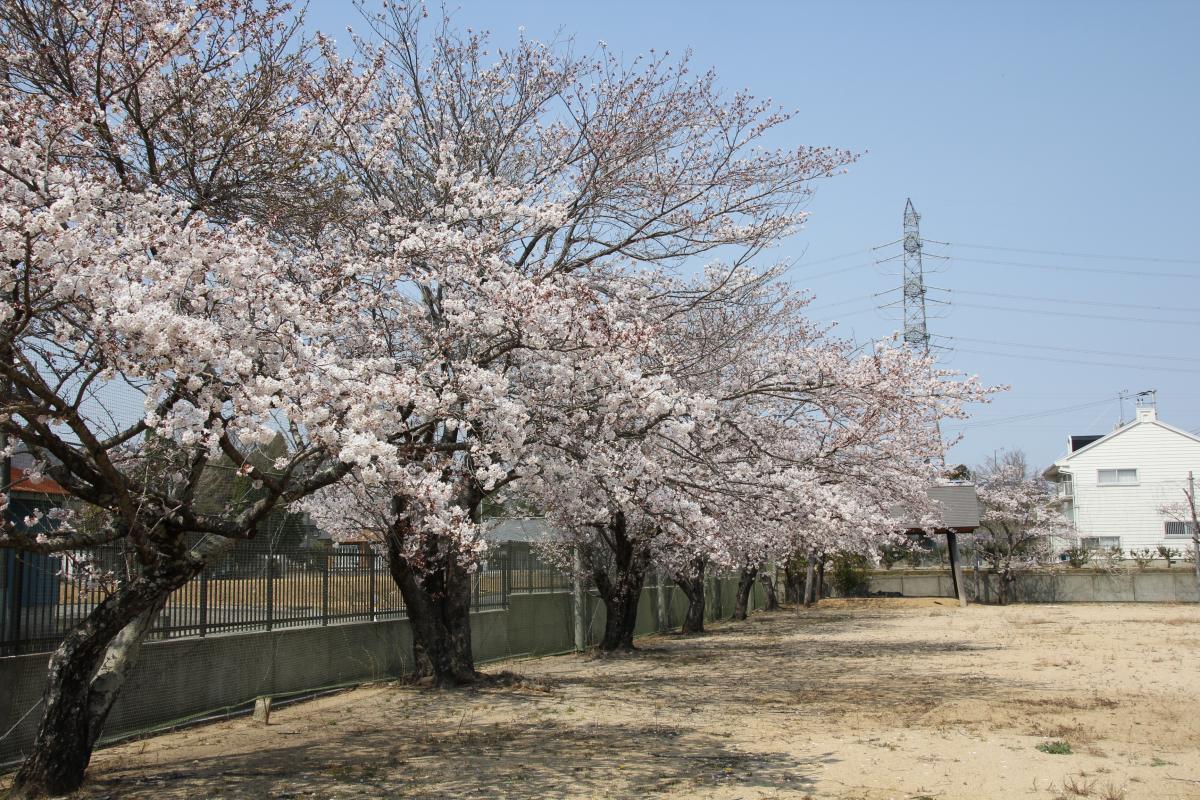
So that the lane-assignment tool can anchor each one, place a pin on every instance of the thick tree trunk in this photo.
(793, 582)
(820, 587)
(768, 584)
(692, 584)
(439, 613)
(620, 607)
(664, 601)
(623, 589)
(717, 610)
(85, 676)
(745, 586)
(1007, 578)
(437, 598)
(810, 575)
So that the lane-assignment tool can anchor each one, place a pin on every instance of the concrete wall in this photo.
(189, 678)
(1082, 586)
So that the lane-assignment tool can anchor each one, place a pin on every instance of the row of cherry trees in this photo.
(419, 277)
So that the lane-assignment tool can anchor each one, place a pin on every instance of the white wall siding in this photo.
(1162, 458)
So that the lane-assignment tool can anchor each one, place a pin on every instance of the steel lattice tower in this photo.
(916, 333)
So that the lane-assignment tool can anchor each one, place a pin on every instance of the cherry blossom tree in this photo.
(156, 196)
(1188, 512)
(436, 273)
(1019, 528)
(762, 434)
(564, 183)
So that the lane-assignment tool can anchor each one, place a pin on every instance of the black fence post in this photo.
(374, 556)
(325, 591)
(204, 601)
(270, 591)
(506, 574)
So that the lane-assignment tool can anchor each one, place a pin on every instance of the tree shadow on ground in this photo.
(532, 759)
(782, 663)
(665, 718)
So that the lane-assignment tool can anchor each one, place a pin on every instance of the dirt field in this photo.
(857, 699)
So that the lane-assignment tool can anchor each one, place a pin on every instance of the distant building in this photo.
(29, 582)
(1113, 487)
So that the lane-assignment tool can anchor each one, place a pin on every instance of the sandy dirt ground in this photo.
(863, 699)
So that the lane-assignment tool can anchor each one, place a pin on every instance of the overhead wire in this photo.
(1094, 270)
(834, 258)
(1104, 364)
(1069, 254)
(856, 298)
(1073, 301)
(838, 271)
(985, 423)
(1080, 315)
(1151, 356)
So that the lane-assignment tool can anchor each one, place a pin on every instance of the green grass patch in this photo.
(1055, 748)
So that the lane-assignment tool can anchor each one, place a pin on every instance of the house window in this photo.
(1113, 477)
(1177, 529)
(1099, 542)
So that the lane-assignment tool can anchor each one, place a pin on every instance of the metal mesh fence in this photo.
(281, 581)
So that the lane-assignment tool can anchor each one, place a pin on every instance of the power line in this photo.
(1073, 349)
(1056, 313)
(834, 258)
(1102, 365)
(854, 299)
(838, 271)
(1072, 301)
(1095, 270)
(851, 313)
(1102, 256)
(1033, 414)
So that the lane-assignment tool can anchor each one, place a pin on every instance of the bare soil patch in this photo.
(863, 699)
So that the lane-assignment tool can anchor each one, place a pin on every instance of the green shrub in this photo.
(1168, 554)
(1143, 558)
(851, 575)
(1078, 556)
(891, 554)
(1055, 748)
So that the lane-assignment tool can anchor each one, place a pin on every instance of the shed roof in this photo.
(959, 504)
(518, 529)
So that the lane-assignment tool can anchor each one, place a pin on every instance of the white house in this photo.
(1114, 487)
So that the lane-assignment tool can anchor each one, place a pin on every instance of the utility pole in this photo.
(1191, 498)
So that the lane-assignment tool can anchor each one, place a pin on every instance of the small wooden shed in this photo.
(959, 504)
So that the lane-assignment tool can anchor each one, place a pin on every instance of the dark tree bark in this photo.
(86, 673)
(438, 602)
(810, 576)
(437, 597)
(717, 610)
(793, 581)
(768, 584)
(692, 583)
(623, 589)
(745, 586)
(1004, 585)
(819, 590)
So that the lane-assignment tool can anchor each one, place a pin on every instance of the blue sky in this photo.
(1066, 127)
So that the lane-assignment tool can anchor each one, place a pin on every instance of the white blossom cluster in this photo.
(481, 294)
